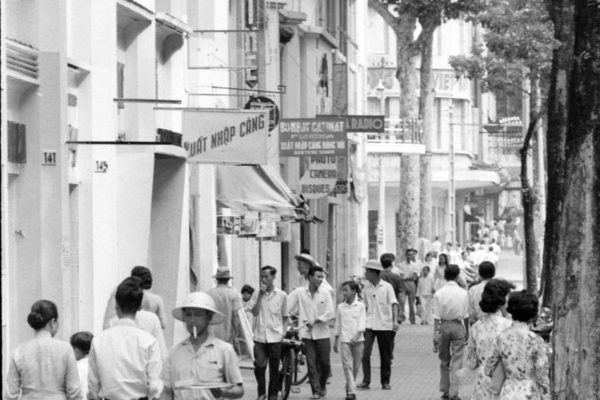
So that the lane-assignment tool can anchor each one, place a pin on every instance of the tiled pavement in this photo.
(415, 371)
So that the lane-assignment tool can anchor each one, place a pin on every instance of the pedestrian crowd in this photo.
(449, 288)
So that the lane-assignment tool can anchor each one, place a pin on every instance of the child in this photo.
(81, 343)
(349, 326)
(124, 361)
(201, 367)
(248, 301)
(425, 293)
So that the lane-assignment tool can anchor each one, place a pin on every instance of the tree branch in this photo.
(382, 9)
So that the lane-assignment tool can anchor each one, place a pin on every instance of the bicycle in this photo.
(292, 358)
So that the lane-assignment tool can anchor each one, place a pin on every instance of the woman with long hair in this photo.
(438, 275)
(44, 367)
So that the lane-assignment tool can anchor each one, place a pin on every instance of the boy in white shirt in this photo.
(425, 294)
(81, 343)
(349, 326)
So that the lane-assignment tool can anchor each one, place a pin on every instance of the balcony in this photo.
(400, 136)
(22, 68)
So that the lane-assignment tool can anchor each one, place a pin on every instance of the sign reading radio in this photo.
(225, 136)
(312, 137)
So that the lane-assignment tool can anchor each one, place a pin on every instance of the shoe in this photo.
(445, 396)
(262, 397)
(315, 396)
(350, 396)
(323, 393)
(364, 386)
(386, 387)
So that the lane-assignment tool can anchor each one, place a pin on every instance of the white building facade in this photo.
(78, 216)
(456, 139)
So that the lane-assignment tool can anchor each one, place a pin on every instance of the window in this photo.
(120, 83)
(17, 149)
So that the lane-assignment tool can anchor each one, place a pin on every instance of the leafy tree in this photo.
(574, 160)
(402, 16)
(519, 43)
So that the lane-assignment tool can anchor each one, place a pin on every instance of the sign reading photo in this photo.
(225, 136)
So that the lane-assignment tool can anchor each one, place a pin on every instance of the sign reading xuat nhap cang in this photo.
(224, 136)
(300, 137)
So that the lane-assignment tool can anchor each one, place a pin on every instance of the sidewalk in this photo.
(415, 371)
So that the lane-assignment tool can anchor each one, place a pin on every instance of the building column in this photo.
(381, 209)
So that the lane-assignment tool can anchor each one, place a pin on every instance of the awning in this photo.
(256, 188)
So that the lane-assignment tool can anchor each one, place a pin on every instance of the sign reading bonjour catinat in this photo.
(218, 136)
(301, 137)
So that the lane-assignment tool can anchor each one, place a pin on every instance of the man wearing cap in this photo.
(314, 307)
(201, 366)
(409, 272)
(228, 302)
(382, 321)
(305, 261)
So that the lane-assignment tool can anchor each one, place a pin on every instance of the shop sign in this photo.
(265, 103)
(218, 136)
(363, 123)
(320, 176)
(312, 137)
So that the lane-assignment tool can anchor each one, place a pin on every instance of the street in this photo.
(415, 368)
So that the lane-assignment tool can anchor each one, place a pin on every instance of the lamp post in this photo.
(381, 209)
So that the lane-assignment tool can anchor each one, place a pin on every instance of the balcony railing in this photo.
(399, 131)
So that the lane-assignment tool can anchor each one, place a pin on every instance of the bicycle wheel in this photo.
(288, 365)
(300, 375)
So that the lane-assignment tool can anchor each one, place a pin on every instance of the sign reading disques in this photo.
(302, 137)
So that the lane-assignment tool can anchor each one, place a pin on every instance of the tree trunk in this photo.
(528, 198)
(561, 13)
(575, 93)
(426, 112)
(409, 165)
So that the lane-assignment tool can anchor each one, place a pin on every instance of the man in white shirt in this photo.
(271, 315)
(124, 361)
(410, 269)
(150, 323)
(451, 330)
(487, 270)
(381, 323)
(436, 245)
(305, 261)
(314, 307)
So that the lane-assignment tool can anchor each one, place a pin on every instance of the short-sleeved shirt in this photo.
(124, 363)
(410, 269)
(214, 362)
(475, 293)
(150, 302)
(228, 301)
(268, 325)
(311, 307)
(349, 320)
(149, 322)
(450, 302)
(394, 280)
(42, 368)
(378, 301)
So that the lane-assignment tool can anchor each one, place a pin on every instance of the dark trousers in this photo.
(317, 361)
(385, 340)
(410, 294)
(267, 353)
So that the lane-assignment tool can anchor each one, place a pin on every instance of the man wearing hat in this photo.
(201, 366)
(409, 272)
(228, 302)
(305, 261)
(382, 321)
